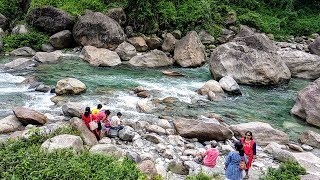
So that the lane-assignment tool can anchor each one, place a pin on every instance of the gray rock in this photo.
(139, 43)
(62, 39)
(70, 86)
(45, 57)
(206, 38)
(314, 47)
(118, 15)
(9, 124)
(189, 51)
(4, 22)
(107, 149)
(20, 29)
(178, 167)
(228, 84)
(50, 19)
(47, 47)
(310, 138)
(20, 63)
(127, 133)
(99, 30)
(306, 147)
(168, 43)
(307, 104)
(28, 116)
(23, 51)
(100, 56)
(87, 136)
(126, 51)
(154, 58)
(73, 109)
(64, 141)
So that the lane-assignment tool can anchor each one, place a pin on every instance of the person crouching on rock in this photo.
(87, 117)
(116, 122)
(211, 155)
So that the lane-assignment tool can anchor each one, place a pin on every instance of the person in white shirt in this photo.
(116, 122)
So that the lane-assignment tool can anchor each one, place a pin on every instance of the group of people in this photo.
(99, 122)
(236, 162)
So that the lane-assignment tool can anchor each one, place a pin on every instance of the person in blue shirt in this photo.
(233, 172)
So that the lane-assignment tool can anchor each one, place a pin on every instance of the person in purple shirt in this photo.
(233, 172)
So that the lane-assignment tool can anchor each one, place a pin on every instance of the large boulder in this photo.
(206, 38)
(99, 30)
(127, 133)
(23, 51)
(169, 42)
(63, 141)
(153, 41)
(307, 104)
(203, 131)
(189, 51)
(310, 162)
(263, 133)
(70, 86)
(20, 63)
(87, 136)
(49, 19)
(107, 149)
(279, 154)
(62, 39)
(249, 59)
(311, 138)
(28, 116)
(73, 109)
(301, 64)
(48, 57)
(100, 56)
(126, 51)
(4, 22)
(9, 124)
(314, 47)
(154, 58)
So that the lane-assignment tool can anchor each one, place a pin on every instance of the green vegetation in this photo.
(23, 160)
(33, 39)
(288, 170)
(202, 176)
(73, 7)
(279, 17)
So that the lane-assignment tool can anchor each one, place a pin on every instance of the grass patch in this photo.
(202, 176)
(22, 160)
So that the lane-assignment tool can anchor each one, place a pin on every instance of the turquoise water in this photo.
(111, 86)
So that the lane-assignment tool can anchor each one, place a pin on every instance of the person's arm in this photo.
(254, 150)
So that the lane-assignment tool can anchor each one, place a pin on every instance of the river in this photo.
(111, 86)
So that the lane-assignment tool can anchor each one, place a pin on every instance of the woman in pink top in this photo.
(211, 156)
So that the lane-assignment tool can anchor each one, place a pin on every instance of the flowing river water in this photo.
(111, 87)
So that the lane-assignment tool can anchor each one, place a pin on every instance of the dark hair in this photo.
(249, 132)
(119, 114)
(213, 144)
(107, 112)
(99, 106)
(87, 112)
(239, 147)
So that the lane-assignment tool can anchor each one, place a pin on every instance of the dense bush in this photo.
(73, 7)
(33, 39)
(23, 160)
(288, 170)
(280, 17)
(11, 9)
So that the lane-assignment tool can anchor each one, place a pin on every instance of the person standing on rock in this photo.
(87, 117)
(233, 172)
(211, 155)
(249, 147)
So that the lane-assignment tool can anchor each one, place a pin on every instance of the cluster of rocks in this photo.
(167, 146)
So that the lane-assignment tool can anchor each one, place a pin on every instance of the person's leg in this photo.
(247, 174)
